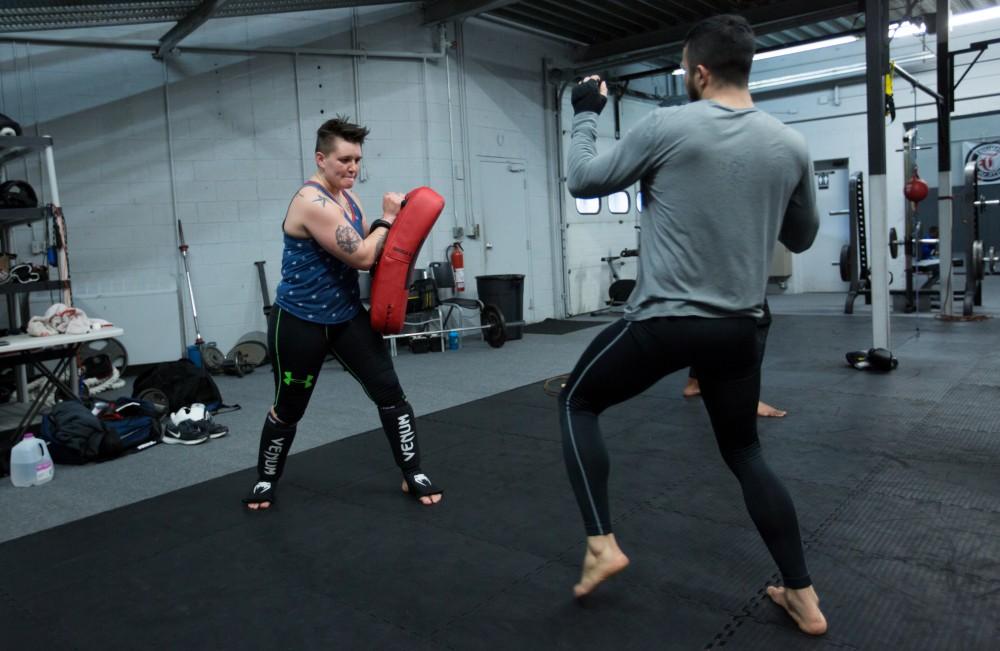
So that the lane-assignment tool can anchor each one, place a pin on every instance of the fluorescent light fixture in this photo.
(970, 17)
(806, 47)
(679, 71)
(897, 30)
(826, 73)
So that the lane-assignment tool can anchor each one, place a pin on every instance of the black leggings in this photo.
(763, 328)
(298, 349)
(629, 357)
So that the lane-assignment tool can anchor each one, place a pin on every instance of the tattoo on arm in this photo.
(347, 238)
(302, 195)
(321, 200)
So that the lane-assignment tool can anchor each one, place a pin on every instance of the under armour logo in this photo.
(422, 479)
(289, 380)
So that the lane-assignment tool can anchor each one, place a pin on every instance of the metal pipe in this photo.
(298, 115)
(356, 68)
(945, 206)
(913, 80)
(451, 136)
(877, 64)
(463, 106)
(153, 46)
(173, 190)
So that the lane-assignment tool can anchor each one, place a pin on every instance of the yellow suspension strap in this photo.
(890, 102)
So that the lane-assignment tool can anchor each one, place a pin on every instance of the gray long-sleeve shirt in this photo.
(719, 186)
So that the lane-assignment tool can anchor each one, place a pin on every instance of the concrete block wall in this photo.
(241, 134)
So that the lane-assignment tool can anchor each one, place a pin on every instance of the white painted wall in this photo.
(242, 129)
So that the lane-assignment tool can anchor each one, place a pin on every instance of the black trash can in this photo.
(506, 291)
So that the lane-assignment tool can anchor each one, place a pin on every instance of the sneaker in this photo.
(186, 433)
(211, 428)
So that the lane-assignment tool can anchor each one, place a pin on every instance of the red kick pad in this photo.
(391, 282)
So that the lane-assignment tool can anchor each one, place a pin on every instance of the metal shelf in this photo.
(15, 287)
(21, 216)
(12, 147)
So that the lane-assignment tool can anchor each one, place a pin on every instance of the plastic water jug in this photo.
(453, 340)
(30, 463)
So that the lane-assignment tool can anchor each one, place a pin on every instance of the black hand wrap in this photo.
(587, 97)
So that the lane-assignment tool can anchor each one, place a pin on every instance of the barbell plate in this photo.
(254, 352)
(157, 397)
(845, 263)
(212, 358)
(494, 327)
(111, 347)
(977, 259)
(893, 243)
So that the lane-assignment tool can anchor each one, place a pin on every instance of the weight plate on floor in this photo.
(157, 397)
(212, 358)
(494, 326)
(254, 353)
(111, 347)
(845, 263)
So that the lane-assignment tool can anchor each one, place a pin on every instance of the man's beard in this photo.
(692, 90)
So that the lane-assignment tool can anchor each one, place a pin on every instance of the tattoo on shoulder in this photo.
(321, 200)
(347, 238)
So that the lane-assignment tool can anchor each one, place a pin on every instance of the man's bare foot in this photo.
(603, 559)
(427, 499)
(802, 606)
(767, 411)
(692, 389)
(263, 506)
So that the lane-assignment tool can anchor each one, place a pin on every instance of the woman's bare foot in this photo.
(427, 499)
(802, 606)
(263, 506)
(692, 389)
(767, 411)
(603, 559)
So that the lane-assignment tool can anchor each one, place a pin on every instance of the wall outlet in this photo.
(37, 247)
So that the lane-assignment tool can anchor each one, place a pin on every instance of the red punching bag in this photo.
(915, 188)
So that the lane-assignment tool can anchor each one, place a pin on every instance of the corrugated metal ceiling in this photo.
(604, 31)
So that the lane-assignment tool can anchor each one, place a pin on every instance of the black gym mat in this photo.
(898, 498)
(560, 326)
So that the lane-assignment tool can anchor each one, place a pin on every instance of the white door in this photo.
(816, 266)
(502, 200)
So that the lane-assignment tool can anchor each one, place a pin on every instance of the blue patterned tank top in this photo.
(316, 286)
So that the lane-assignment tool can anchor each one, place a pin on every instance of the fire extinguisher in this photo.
(458, 266)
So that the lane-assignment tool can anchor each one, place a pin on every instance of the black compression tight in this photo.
(629, 357)
(298, 349)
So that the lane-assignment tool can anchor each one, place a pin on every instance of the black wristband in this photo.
(587, 97)
(379, 223)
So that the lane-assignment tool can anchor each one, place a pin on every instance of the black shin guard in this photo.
(401, 429)
(275, 442)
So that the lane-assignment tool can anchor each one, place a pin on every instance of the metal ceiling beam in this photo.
(773, 17)
(186, 25)
(442, 11)
(561, 23)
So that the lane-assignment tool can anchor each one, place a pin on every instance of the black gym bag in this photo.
(181, 383)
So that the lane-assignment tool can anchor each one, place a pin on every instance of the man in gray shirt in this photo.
(721, 183)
